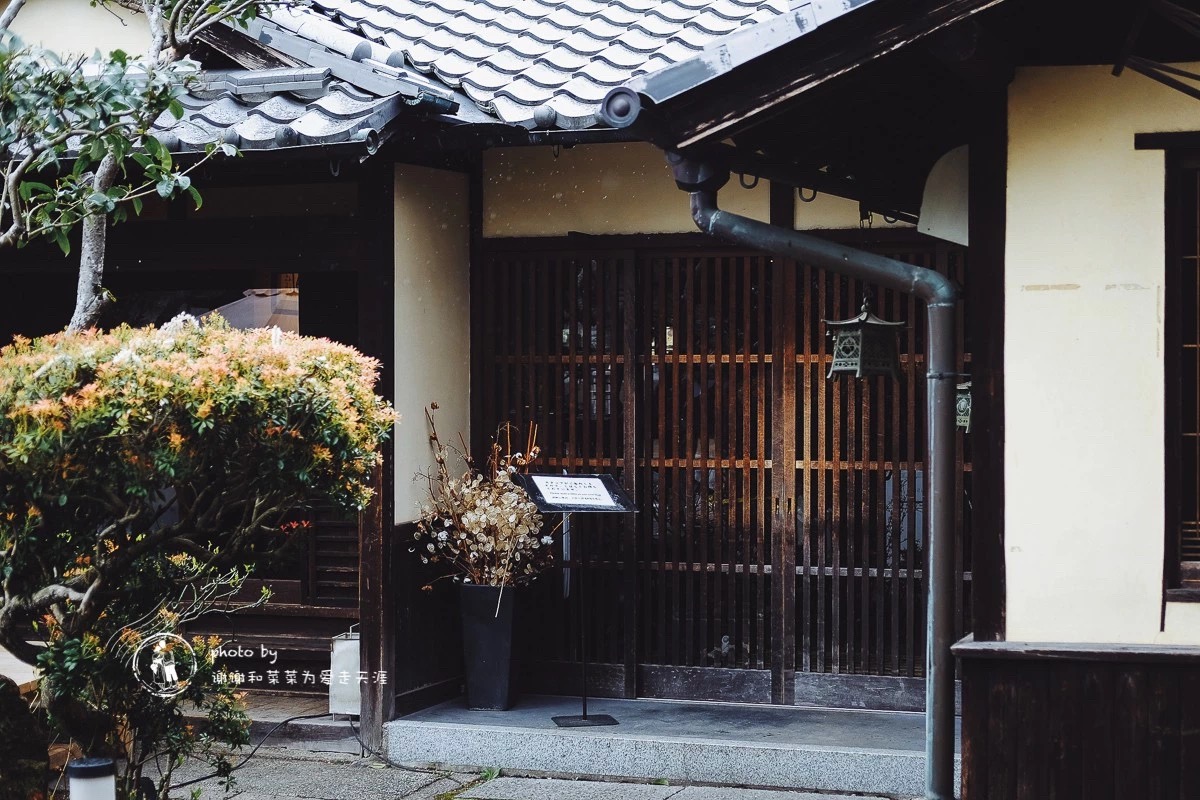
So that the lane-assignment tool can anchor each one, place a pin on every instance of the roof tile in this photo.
(543, 75)
(658, 27)
(603, 72)
(677, 49)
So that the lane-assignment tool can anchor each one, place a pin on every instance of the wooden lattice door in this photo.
(778, 542)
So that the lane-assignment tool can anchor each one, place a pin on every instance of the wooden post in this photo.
(376, 612)
(985, 303)
(783, 454)
(629, 522)
(376, 593)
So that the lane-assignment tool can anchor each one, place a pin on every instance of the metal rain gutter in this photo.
(702, 180)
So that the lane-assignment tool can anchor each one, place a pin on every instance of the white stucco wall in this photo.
(1083, 358)
(74, 27)
(616, 188)
(432, 325)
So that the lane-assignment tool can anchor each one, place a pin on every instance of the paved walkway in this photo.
(292, 775)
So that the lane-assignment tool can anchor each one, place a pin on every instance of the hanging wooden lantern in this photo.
(864, 346)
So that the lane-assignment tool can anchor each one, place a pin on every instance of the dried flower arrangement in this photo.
(482, 525)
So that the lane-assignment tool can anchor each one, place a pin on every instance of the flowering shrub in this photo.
(138, 468)
(481, 525)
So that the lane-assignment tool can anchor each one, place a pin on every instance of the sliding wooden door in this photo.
(778, 552)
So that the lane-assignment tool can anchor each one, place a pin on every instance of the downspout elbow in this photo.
(704, 210)
(701, 179)
(936, 289)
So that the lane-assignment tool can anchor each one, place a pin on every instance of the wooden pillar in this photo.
(629, 522)
(784, 504)
(376, 598)
(985, 323)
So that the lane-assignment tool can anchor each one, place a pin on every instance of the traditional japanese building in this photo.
(477, 194)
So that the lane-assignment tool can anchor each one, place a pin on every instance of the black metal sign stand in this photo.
(574, 494)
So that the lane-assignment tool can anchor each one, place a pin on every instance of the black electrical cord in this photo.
(249, 755)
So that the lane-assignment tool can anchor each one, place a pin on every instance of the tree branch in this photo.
(10, 13)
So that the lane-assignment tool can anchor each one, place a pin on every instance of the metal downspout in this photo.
(940, 295)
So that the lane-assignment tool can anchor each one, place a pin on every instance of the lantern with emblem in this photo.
(962, 407)
(864, 346)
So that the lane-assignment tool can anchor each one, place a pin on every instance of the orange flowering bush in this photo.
(139, 467)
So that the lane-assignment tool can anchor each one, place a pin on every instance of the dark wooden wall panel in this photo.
(1080, 722)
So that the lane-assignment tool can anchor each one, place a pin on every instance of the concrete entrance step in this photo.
(867, 752)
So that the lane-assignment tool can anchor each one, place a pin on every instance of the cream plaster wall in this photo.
(1083, 359)
(75, 27)
(432, 327)
(615, 188)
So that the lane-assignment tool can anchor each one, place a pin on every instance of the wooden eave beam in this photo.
(738, 101)
(244, 50)
(780, 172)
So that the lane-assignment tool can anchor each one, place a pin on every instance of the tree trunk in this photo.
(90, 296)
(10, 13)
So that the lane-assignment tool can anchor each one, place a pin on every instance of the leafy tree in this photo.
(76, 146)
(141, 473)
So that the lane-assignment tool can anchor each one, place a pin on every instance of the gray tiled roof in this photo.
(267, 109)
(539, 64)
(533, 63)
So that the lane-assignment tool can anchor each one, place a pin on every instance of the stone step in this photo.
(707, 743)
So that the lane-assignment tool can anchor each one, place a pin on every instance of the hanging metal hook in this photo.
(556, 150)
(803, 199)
(335, 167)
(742, 181)
(890, 220)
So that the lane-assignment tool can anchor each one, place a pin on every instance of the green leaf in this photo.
(27, 189)
(165, 187)
(102, 201)
(196, 198)
(64, 244)
(176, 109)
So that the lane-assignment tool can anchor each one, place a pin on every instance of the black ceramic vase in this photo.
(487, 645)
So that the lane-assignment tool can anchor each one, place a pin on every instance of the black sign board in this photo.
(576, 494)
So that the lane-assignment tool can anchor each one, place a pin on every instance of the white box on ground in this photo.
(345, 693)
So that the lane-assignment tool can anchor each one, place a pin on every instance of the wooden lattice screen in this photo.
(698, 377)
